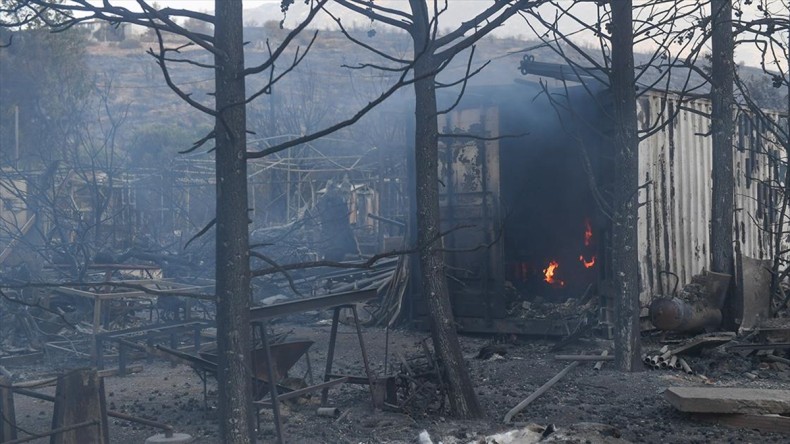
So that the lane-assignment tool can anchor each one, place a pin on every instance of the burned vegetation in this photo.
(356, 221)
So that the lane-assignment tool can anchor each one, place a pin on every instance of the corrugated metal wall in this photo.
(675, 164)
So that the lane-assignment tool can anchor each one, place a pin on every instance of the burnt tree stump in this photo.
(79, 399)
(7, 415)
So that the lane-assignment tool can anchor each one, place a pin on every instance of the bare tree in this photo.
(677, 33)
(625, 257)
(227, 106)
(765, 28)
(229, 136)
(432, 52)
(69, 192)
(722, 127)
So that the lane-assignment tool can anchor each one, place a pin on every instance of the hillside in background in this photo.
(317, 93)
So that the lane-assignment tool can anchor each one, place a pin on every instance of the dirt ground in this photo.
(628, 407)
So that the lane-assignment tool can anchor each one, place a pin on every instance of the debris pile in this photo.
(420, 388)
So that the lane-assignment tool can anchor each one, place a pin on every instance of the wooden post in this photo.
(123, 358)
(79, 398)
(97, 305)
(7, 415)
(196, 337)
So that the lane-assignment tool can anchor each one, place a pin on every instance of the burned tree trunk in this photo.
(625, 259)
(461, 394)
(233, 270)
(723, 76)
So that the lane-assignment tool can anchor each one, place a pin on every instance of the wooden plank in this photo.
(778, 359)
(46, 382)
(267, 402)
(302, 305)
(168, 289)
(700, 343)
(26, 359)
(729, 400)
(753, 302)
(598, 358)
(766, 346)
(536, 394)
(763, 423)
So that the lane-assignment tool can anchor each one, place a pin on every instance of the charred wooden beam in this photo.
(543, 389)
(7, 414)
(601, 357)
(387, 221)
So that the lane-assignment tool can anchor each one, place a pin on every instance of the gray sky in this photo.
(463, 9)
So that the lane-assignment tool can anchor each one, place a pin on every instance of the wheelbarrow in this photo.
(284, 356)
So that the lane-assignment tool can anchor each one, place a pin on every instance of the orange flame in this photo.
(587, 233)
(549, 271)
(587, 264)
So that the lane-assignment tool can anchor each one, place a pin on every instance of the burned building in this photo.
(527, 170)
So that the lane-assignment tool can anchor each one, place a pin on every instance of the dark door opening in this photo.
(552, 224)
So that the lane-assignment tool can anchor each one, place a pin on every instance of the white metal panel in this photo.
(675, 165)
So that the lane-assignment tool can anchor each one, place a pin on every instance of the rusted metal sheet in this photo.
(675, 166)
(469, 200)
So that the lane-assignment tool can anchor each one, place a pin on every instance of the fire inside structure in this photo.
(524, 192)
(530, 188)
(551, 222)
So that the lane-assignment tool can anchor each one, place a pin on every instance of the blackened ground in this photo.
(632, 403)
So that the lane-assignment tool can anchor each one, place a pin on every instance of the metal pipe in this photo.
(368, 371)
(684, 365)
(147, 422)
(330, 354)
(599, 364)
(32, 394)
(328, 411)
(168, 429)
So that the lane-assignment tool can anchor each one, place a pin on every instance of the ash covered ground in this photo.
(624, 407)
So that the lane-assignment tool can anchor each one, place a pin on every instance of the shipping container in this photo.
(526, 173)
(675, 164)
